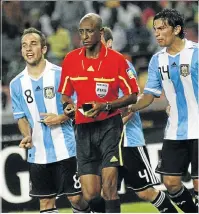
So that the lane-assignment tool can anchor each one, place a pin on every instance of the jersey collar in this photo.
(46, 69)
(103, 52)
(188, 45)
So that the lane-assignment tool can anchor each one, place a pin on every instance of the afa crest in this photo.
(49, 92)
(184, 70)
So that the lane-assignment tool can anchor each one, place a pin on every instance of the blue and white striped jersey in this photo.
(30, 97)
(178, 76)
(133, 133)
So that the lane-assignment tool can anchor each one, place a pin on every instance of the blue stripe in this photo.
(48, 142)
(180, 98)
(194, 73)
(67, 129)
(134, 131)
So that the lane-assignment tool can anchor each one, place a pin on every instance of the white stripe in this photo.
(51, 107)
(68, 194)
(37, 134)
(147, 164)
(53, 194)
(178, 194)
(150, 167)
(125, 143)
(18, 113)
(192, 106)
(160, 200)
(153, 90)
(142, 188)
(172, 124)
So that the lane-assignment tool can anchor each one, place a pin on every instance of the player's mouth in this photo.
(86, 43)
(29, 55)
(159, 40)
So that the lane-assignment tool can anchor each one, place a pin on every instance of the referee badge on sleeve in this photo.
(130, 73)
(49, 92)
(184, 70)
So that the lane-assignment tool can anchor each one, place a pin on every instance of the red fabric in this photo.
(111, 70)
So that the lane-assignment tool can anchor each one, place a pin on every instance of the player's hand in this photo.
(97, 108)
(51, 119)
(132, 108)
(26, 142)
(124, 111)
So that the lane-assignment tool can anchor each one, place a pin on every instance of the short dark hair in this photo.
(108, 34)
(173, 17)
(34, 30)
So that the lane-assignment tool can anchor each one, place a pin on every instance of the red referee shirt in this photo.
(96, 79)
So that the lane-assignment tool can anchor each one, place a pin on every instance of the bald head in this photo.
(94, 18)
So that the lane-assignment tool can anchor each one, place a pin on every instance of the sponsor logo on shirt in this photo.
(114, 159)
(38, 88)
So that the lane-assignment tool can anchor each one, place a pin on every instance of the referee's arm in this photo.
(124, 101)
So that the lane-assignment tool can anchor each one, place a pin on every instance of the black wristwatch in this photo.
(108, 106)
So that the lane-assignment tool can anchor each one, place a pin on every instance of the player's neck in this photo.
(94, 52)
(37, 70)
(176, 46)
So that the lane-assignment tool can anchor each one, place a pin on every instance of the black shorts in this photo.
(54, 179)
(136, 170)
(176, 157)
(99, 145)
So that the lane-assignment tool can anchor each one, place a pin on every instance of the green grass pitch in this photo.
(141, 207)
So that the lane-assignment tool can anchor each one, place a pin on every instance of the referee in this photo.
(96, 74)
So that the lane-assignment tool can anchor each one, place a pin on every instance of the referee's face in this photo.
(31, 49)
(89, 33)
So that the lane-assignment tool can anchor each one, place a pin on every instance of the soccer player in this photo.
(96, 73)
(136, 169)
(51, 151)
(175, 69)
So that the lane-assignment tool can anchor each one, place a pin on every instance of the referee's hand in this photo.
(97, 108)
(26, 142)
(70, 108)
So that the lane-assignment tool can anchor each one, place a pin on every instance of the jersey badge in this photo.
(184, 70)
(49, 92)
(130, 73)
(101, 89)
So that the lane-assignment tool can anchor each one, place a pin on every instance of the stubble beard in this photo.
(35, 63)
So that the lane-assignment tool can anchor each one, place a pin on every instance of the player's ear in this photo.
(44, 49)
(102, 31)
(177, 30)
(110, 43)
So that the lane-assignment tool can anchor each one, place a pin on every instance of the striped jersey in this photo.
(30, 97)
(177, 75)
(133, 132)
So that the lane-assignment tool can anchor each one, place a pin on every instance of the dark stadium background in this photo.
(131, 22)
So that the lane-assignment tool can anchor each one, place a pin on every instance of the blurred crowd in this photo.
(130, 21)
